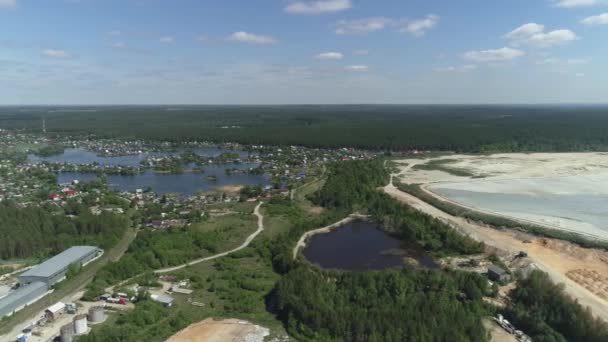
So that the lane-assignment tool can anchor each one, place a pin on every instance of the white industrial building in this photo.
(54, 269)
(36, 282)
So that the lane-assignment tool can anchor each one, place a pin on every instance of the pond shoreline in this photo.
(306, 236)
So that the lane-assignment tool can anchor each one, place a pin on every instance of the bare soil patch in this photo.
(228, 330)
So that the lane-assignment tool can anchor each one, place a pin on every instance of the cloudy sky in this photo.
(303, 51)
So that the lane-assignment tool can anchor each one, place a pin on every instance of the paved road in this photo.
(250, 238)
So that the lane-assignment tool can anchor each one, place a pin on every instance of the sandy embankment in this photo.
(228, 330)
(230, 189)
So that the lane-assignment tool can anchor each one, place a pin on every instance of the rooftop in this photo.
(496, 269)
(59, 262)
(22, 292)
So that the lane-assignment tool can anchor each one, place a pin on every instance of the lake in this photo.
(362, 246)
(187, 184)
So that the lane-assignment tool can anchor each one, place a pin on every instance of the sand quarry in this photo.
(584, 271)
(227, 330)
(567, 191)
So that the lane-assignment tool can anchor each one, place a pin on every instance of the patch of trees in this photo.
(351, 185)
(382, 306)
(542, 309)
(354, 186)
(35, 231)
(156, 249)
(50, 150)
(454, 128)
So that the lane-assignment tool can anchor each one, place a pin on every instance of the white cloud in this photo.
(534, 35)
(202, 38)
(330, 56)
(577, 3)
(558, 61)
(600, 19)
(318, 6)
(57, 54)
(419, 27)
(525, 31)
(250, 38)
(580, 74)
(460, 68)
(363, 26)
(167, 40)
(8, 3)
(119, 45)
(115, 33)
(496, 55)
(359, 68)
(361, 52)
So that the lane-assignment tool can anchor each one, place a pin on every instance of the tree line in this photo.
(35, 231)
(453, 128)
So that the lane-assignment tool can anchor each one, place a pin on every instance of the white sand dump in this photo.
(567, 191)
(228, 330)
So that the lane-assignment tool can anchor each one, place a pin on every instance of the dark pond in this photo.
(187, 184)
(362, 246)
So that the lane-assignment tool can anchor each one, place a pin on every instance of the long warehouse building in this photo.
(54, 270)
(35, 282)
(22, 297)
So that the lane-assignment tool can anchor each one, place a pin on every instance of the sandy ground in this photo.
(509, 166)
(228, 330)
(230, 189)
(565, 191)
(555, 257)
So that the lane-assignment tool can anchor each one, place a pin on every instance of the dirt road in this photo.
(250, 238)
(555, 257)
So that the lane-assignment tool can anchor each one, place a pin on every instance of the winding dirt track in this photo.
(555, 257)
(250, 238)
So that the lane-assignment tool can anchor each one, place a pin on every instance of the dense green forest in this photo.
(546, 313)
(34, 231)
(324, 305)
(383, 306)
(457, 128)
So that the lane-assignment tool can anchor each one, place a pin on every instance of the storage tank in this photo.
(97, 314)
(66, 333)
(80, 324)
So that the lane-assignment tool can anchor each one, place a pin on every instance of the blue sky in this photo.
(301, 51)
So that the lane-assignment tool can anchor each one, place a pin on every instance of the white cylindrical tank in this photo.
(80, 324)
(97, 314)
(66, 333)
